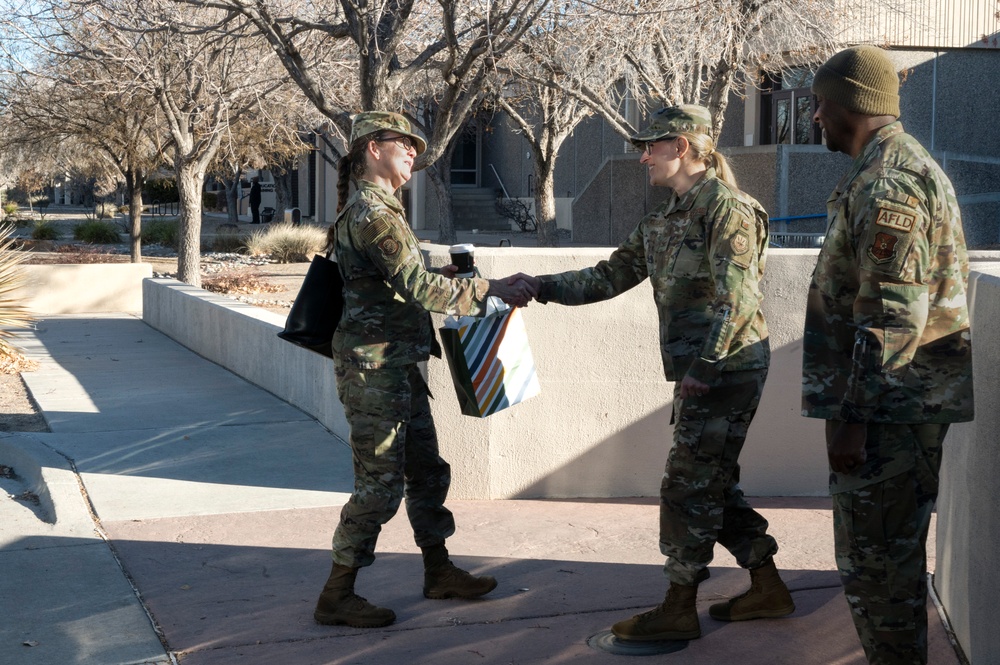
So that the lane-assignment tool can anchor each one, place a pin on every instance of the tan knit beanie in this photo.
(861, 79)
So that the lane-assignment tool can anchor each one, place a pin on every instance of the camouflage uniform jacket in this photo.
(887, 325)
(704, 253)
(388, 292)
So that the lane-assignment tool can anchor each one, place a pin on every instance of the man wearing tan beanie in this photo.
(887, 358)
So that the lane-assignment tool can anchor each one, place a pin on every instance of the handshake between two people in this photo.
(517, 290)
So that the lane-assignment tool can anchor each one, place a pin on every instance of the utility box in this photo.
(293, 216)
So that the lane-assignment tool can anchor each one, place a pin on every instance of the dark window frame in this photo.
(772, 97)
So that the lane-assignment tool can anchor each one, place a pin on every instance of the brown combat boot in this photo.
(767, 597)
(675, 619)
(338, 604)
(443, 579)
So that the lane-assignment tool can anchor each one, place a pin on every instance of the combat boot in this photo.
(675, 619)
(767, 597)
(443, 579)
(338, 604)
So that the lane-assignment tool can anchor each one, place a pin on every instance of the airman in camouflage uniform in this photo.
(887, 356)
(704, 251)
(385, 330)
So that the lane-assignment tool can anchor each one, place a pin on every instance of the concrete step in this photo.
(473, 208)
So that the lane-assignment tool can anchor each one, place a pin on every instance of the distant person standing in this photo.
(255, 199)
(887, 358)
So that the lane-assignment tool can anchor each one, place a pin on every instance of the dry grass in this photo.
(286, 243)
(238, 283)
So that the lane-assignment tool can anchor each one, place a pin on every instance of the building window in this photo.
(787, 107)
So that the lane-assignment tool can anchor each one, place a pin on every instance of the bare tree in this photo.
(679, 51)
(201, 80)
(564, 47)
(403, 55)
(271, 137)
(54, 104)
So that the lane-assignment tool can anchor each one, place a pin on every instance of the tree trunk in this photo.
(439, 173)
(135, 182)
(190, 183)
(232, 200)
(545, 203)
(282, 190)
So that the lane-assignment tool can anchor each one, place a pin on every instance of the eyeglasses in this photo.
(403, 141)
(649, 144)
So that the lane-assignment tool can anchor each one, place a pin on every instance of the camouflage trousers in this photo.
(395, 450)
(701, 502)
(880, 536)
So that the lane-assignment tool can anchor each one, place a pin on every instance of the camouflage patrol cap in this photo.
(673, 120)
(369, 122)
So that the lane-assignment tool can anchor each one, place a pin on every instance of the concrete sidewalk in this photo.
(184, 515)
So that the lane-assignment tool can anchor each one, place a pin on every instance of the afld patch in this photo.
(895, 219)
(883, 248)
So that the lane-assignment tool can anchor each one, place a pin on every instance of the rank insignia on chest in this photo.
(883, 248)
(389, 246)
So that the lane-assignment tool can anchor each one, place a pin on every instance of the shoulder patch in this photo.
(389, 246)
(740, 243)
(893, 218)
(883, 248)
(374, 229)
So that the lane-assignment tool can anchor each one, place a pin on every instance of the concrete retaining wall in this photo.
(83, 288)
(243, 339)
(967, 577)
(601, 426)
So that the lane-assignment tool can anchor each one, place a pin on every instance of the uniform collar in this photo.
(686, 201)
(380, 192)
(866, 154)
(878, 138)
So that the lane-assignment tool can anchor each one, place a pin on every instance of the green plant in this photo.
(13, 314)
(286, 243)
(45, 230)
(164, 232)
(10, 208)
(97, 231)
(212, 200)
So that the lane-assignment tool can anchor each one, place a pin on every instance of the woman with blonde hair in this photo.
(703, 250)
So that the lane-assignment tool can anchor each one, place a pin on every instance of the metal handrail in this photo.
(500, 180)
(789, 219)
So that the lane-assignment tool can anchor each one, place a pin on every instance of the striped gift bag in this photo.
(490, 361)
